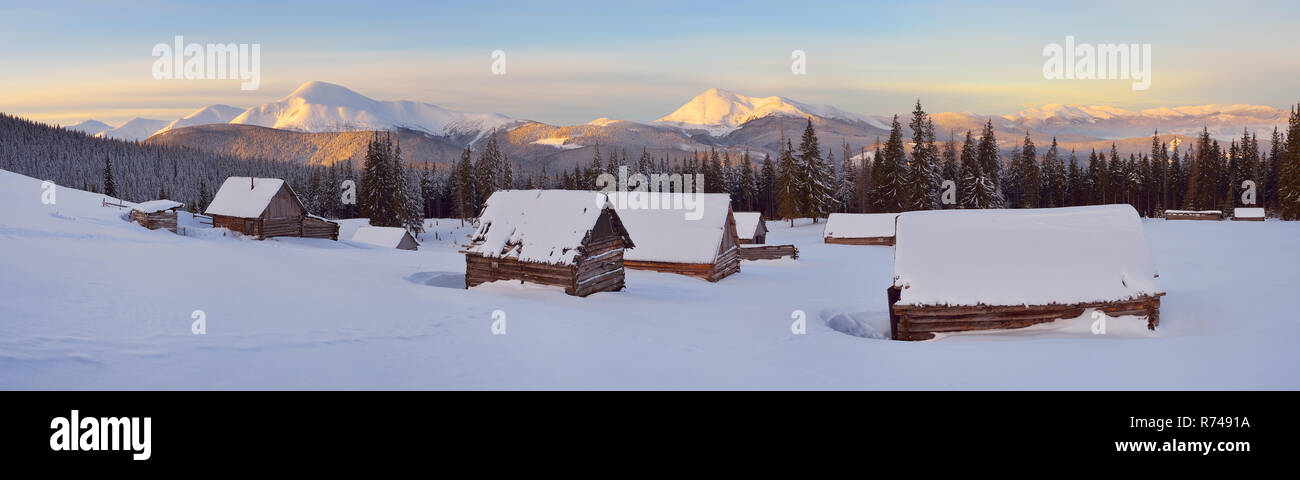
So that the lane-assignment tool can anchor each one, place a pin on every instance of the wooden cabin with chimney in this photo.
(566, 238)
(690, 234)
(266, 207)
(156, 214)
(964, 270)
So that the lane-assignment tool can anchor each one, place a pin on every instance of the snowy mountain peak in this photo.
(135, 130)
(90, 127)
(205, 116)
(721, 111)
(326, 93)
(325, 107)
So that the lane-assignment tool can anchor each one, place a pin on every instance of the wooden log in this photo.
(884, 241)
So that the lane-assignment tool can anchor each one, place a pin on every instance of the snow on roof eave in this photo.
(537, 226)
(155, 206)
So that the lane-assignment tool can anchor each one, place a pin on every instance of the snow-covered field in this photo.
(90, 301)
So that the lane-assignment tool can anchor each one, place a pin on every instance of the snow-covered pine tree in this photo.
(923, 172)
(977, 190)
(949, 167)
(767, 185)
(1031, 178)
(463, 185)
(815, 176)
(110, 186)
(990, 167)
(1289, 184)
(789, 198)
(891, 186)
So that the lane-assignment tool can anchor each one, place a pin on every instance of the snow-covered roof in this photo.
(155, 206)
(236, 199)
(669, 234)
(545, 226)
(1194, 212)
(1022, 257)
(381, 236)
(747, 223)
(1249, 212)
(860, 225)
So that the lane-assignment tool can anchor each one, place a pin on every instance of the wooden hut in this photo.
(750, 228)
(156, 214)
(687, 234)
(1193, 215)
(388, 237)
(860, 228)
(752, 232)
(264, 208)
(571, 239)
(960, 270)
(1251, 214)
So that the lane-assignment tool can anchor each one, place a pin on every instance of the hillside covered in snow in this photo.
(93, 301)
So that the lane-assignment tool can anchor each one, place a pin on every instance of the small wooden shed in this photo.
(860, 228)
(389, 237)
(264, 208)
(960, 270)
(156, 214)
(571, 239)
(1249, 214)
(750, 228)
(688, 234)
(1193, 215)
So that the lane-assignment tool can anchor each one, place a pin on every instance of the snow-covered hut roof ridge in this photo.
(1041, 256)
(747, 223)
(691, 234)
(381, 236)
(860, 225)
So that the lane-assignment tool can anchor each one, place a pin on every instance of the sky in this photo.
(571, 62)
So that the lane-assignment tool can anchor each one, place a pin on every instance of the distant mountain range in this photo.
(318, 122)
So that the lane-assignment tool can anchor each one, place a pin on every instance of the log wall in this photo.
(317, 228)
(886, 241)
(1193, 216)
(727, 264)
(156, 220)
(598, 269)
(768, 252)
(911, 322)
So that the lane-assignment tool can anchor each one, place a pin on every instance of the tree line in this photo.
(916, 172)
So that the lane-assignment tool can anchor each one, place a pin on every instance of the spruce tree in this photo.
(990, 167)
(1289, 185)
(789, 198)
(815, 177)
(923, 172)
(891, 187)
(767, 185)
(110, 187)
